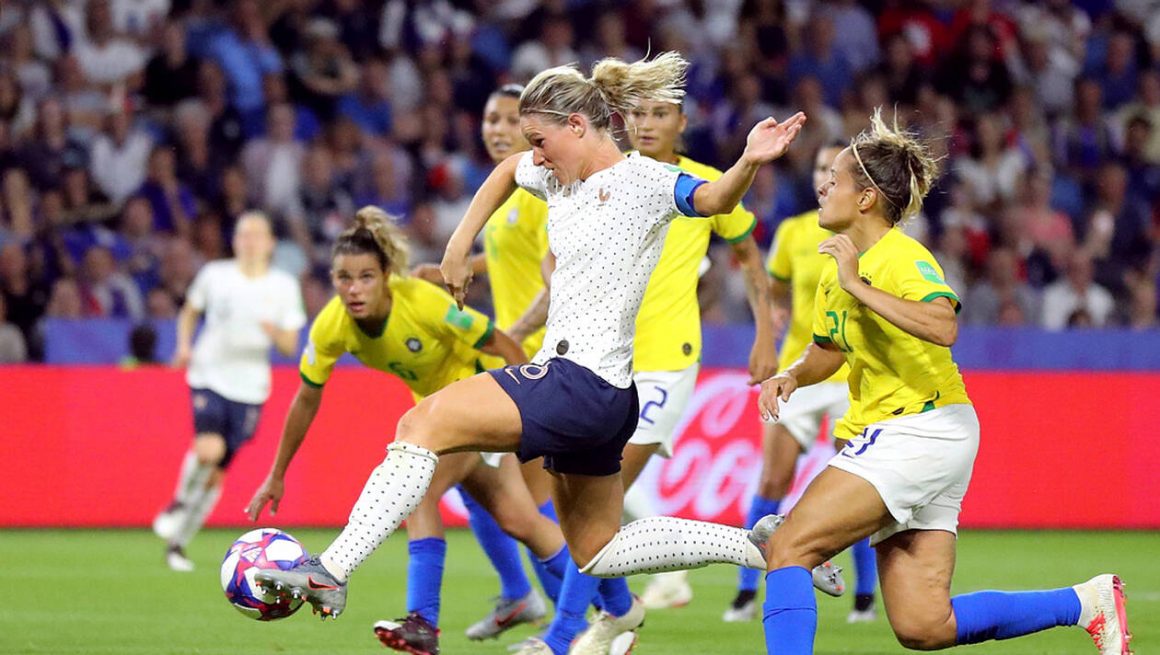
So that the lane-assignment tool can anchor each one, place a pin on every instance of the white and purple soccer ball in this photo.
(264, 548)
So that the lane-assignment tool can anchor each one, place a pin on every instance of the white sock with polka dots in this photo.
(663, 543)
(391, 493)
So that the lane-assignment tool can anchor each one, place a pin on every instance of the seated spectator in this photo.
(160, 305)
(172, 201)
(82, 202)
(323, 72)
(306, 123)
(1076, 291)
(369, 105)
(1084, 138)
(16, 217)
(994, 168)
(12, 347)
(84, 103)
(198, 164)
(66, 300)
(105, 58)
(232, 200)
(226, 128)
(386, 187)
(171, 75)
(1042, 227)
(1116, 230)
(55, 27)
(245, 54)
(105, 291)
(145, 245)
(179, 264)
(974, 76)
(985, 301)
(50, 147)
(1146, 106)
(16, 107)
(1142, 302)
(1117, 71)
(208, 237)
(120, 155)
(272, 164)
(553, 47)
(819, 58)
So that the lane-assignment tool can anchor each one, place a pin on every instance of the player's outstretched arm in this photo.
(817, 363)
(763, 355)
(298, 420)
(767, 141)
(502, 345)
(186, 324)
(456, 266)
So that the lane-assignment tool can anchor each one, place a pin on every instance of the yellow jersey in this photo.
(794, 258)
(892, 373)
(515, 241)
(427, 342)
(668, 327)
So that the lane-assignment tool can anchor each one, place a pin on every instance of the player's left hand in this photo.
(843, 250)
(769, 139)
(457, 275)
(762, 361)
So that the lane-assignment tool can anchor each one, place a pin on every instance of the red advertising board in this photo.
(101, 446)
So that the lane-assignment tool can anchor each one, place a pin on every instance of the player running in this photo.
(413, 330)
(248, 308)
(884, 309)
(795, 265)
(576, 405)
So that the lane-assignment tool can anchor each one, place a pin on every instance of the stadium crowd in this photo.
(133, 133)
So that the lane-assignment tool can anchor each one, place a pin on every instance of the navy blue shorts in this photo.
(571, 417)
(215, 414)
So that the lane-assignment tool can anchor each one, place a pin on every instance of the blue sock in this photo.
(865, 568)
(791, 612)
(570, 620)
(549, 580)
(987, 615)
(500, 548)
(761, 506)
(615, 598)
(551, 572)
(425, 577)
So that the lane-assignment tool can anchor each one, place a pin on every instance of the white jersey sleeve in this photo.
(536, 180)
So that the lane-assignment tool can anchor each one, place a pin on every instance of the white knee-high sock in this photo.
(663, 543)
(391, 493)
(197, 510)
(192, 478)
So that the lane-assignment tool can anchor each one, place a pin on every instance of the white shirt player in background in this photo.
(576, 406)
(248, 307)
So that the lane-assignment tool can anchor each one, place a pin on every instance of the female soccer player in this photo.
(411, 329)
(883, 308)
(795, 265)
(576, 405)
(248, 308)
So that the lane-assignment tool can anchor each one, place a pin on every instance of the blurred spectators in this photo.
(134, 132)
(12, 348)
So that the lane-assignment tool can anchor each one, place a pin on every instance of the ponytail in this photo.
(896, 164)
(375, 232)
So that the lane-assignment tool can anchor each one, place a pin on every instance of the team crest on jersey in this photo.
(603, 195)
(414, 345)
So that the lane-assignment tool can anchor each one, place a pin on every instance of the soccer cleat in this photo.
(531, 646)
(176, 559)
(667, 590)
(1103, 614)
(623, 644)
(863, 610)
(743, 608)
(827, 577)
(412, 634)
(168, 521)
(310, 582)
(507, 614)
(598, 638)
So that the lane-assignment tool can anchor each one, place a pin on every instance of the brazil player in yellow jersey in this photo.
(883, 308)
(413, 330)
(795, 266)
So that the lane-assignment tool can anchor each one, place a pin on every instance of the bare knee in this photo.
(209, 449)
(923, 633)
(414, 426)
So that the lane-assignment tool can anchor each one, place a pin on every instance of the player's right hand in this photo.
(457, 273)
(775, 389)
(270, 492)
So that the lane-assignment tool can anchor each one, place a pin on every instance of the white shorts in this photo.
(802, 415)
(663, 397)
(920, 464)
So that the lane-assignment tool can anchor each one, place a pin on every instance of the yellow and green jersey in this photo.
(794, 259)
(515, 241)
(668, 327)
(892, 373)
(427, 342)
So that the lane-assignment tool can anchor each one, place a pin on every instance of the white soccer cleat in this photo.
(532, 646)
(743, 609)
(623, 644)
(168, 521)
(177, 561)
(667, 590)
(862, 616)
(828, 579)
(598, 638)
(1103, 614)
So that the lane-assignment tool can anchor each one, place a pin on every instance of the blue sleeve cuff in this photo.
(683, 192)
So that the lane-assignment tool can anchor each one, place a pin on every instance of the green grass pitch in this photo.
(108, 592)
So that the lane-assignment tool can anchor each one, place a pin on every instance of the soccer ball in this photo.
(264, 548)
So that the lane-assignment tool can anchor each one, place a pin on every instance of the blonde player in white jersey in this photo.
(248, 307)
(575, 405)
